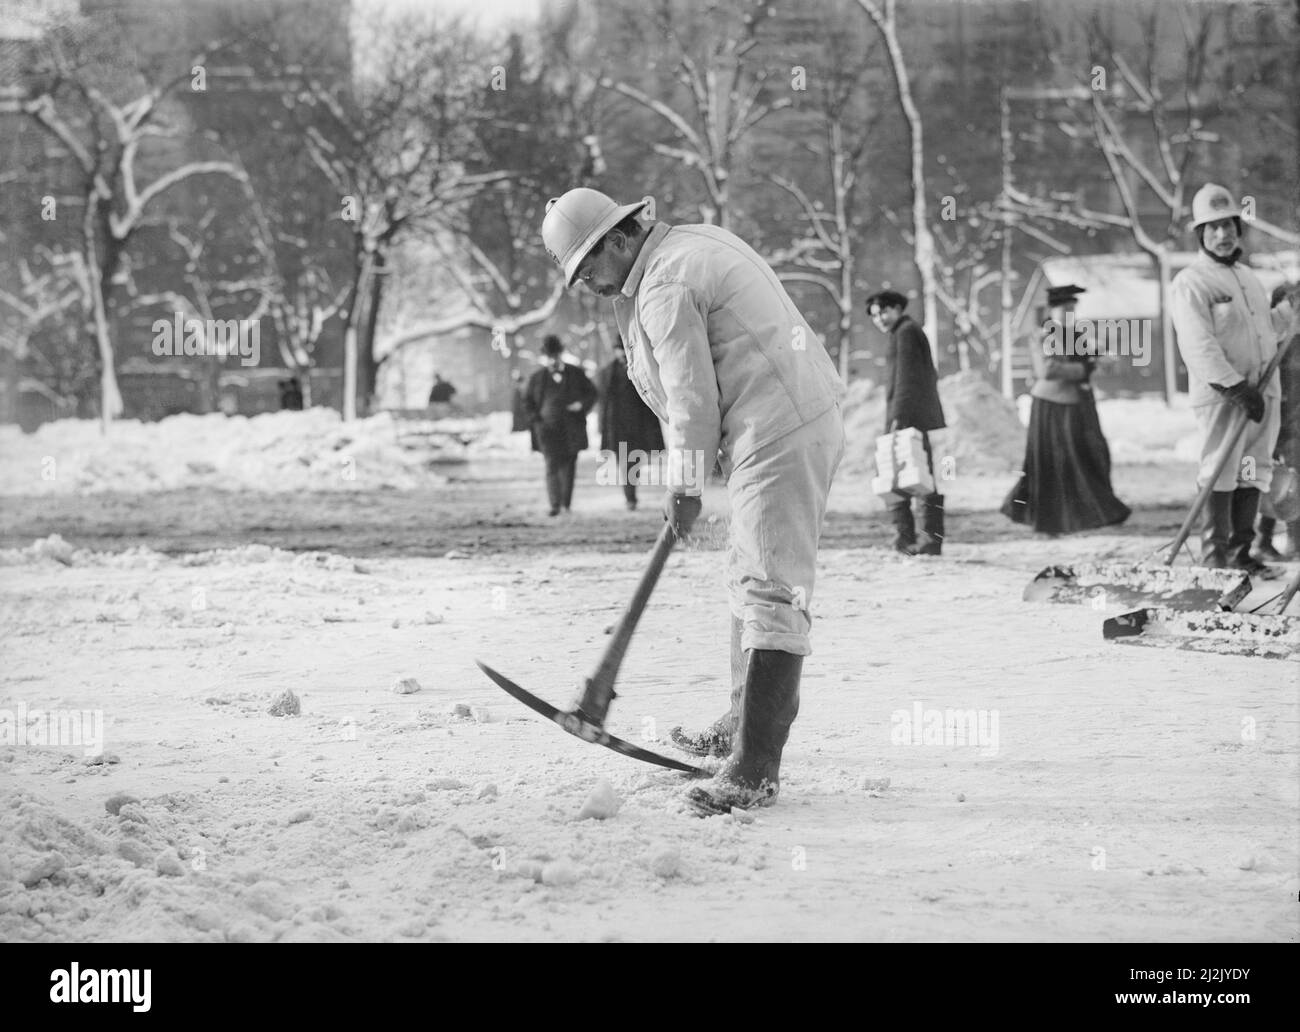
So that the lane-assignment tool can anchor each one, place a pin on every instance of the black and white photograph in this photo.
(565, 471)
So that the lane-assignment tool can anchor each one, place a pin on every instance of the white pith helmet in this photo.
(575, 222)
(1211, 203)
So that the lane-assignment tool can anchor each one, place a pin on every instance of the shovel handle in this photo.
(1289, 592)
(1236, 427)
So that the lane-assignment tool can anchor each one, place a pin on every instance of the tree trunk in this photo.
(367, 367)
(9, 408)
(846, 318)
(923, 241)
(839, 178)
(1169, 351)
(359, 287)
(110, 397)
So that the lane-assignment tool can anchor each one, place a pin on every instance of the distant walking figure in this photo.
(558, 398)
(627, 420)
(911, 400)
(1065, 486)
(291, 394)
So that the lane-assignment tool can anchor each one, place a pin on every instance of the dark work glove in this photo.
(681, 511)
(1247, 397)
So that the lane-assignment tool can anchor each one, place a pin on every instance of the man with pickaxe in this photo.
(719, 352)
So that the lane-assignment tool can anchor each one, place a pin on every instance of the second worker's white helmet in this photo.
(1211, 203)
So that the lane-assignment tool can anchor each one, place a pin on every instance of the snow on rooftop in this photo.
(1125, 284)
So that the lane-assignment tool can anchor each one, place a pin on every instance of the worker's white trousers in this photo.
(1251, 461)
(778, 505)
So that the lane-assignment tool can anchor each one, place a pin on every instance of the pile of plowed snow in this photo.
(984, 434)
(313, 450)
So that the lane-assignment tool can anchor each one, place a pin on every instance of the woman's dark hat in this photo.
(1060, 295)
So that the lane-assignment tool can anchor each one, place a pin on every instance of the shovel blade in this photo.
(1264, 636)
(1125, 585)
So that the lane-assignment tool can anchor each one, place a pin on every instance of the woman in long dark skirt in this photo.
(1065, 486)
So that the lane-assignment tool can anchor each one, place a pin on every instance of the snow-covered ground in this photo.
(1086, 790)
(1146, 430)
(966, 765)
(279, 451)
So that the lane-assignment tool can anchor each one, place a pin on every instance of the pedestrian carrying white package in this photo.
(901, 466)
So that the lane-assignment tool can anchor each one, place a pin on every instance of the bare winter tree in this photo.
(493, 300)
(397, 149)
(967, 235)
(1149, 128)
(295, 287)
(544, 130)
(883, 15)
(726, 96)
(474, 315)
(823, 254)
(219, 304)
(47, 290)
(112, 126)
(40, 296)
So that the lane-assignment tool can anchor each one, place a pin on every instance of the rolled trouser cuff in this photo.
(776, 628)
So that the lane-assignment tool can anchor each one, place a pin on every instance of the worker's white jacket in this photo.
(718, 350)
(1224, 328)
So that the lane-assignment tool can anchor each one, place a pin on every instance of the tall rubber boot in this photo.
(900, 514)
(752, 774)
(1245, 507)
(715, 740)
(1216, 529)
(931, 539)
(1264, 550)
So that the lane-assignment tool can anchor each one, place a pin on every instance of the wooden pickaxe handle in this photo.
(598, 689)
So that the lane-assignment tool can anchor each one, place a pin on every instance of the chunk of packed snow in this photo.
(602, 802)
(285, 704)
